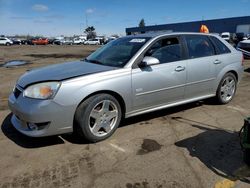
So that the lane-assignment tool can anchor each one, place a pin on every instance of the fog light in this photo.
(32, 126)
(37, 126)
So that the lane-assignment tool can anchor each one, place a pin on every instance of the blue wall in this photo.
(214, 26)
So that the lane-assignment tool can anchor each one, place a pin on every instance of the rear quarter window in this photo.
(220, 47)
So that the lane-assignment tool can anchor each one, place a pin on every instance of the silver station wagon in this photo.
(126, 77)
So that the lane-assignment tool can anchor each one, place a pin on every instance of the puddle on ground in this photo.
(148, 146)
(14, 63)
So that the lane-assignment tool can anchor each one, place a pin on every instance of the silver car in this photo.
(126, 77)
(92, 42)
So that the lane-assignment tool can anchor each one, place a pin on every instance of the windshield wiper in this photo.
(93, 61)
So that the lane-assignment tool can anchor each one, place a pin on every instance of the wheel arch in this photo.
(218, 93)
(232, 68)
(234, 73)
(116, 95)
(222, 74)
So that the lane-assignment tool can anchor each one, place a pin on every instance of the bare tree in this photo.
(90, 31)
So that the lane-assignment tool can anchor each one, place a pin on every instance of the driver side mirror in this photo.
(148, 61)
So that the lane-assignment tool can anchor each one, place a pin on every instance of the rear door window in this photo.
(199, 46)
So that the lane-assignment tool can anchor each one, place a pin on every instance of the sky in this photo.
(69, 17)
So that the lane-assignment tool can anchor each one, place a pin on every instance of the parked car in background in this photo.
(245, 38)
(240, 36)
(244, 47)
(58, 41)
(78, 41)
(40, 41)
(68, 41)
(92, 42)
(5, 41)
(24, 41)
(226, 36)
(101, 39)
(83, 37)
(51, 40)
(16, 41)
(65, 41)
(129, 76)
(27, 41)
(110, 39)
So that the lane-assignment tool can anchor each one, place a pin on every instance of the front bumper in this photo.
(54, 118)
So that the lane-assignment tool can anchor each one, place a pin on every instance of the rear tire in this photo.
(97, 117)
(226, 89)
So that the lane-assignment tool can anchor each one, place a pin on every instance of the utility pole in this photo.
(86, 17)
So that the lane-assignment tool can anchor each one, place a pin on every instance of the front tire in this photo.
(227, 88)
(98, 117)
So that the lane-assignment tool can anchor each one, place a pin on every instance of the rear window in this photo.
(220, 47)
(199, 46)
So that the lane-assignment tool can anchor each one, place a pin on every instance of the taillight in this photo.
(242, 61)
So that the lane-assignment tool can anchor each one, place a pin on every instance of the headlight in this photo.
(46, 90)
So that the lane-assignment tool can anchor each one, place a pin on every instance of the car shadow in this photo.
(247, 70)
(160, 113)
(24, 141)
(218, 149)
(75, 139)
(31, 142)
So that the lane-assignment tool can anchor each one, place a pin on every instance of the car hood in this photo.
(60, 72)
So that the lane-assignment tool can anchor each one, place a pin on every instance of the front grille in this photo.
(17, 92)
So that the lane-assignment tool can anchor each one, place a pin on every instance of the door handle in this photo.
(179, 68)
(217, 61)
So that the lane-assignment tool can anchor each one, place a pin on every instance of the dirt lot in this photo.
(194, 145)
(36, 56)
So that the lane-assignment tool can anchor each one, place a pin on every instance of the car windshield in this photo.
(118, 52)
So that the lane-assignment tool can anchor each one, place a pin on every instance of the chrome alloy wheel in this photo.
(103, 118)
(228, 88)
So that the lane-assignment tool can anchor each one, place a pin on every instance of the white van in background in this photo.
(226, 36)
(78, 41)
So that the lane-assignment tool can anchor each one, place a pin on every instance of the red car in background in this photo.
(40, 41)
